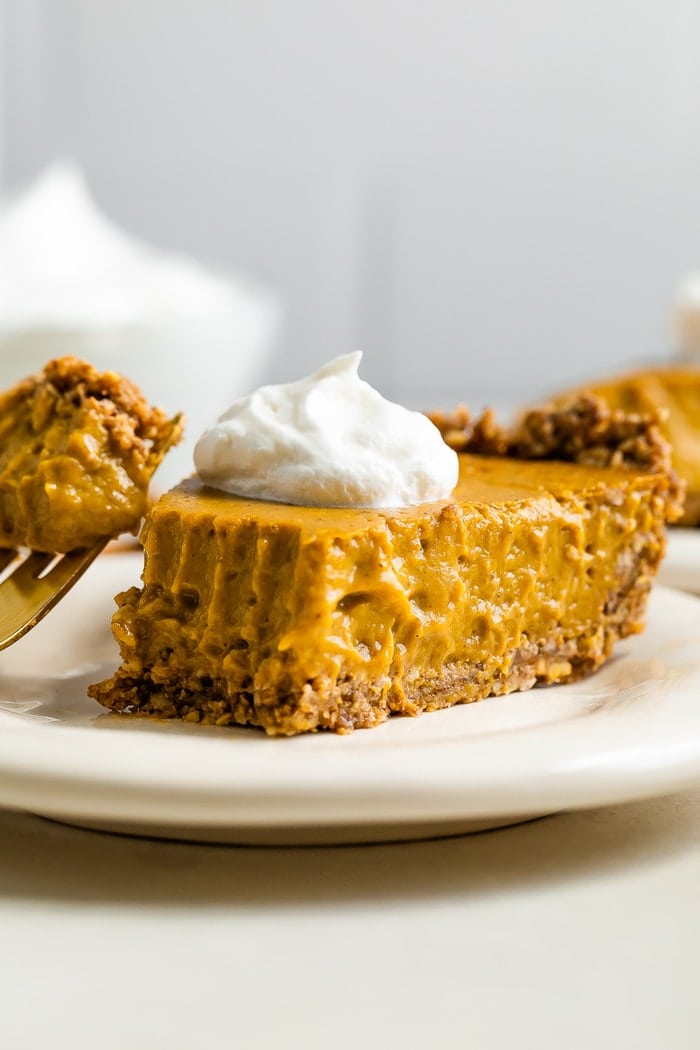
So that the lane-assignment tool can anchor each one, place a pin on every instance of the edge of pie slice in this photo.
(672, 393)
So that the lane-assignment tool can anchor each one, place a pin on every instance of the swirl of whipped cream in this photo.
(329, 440)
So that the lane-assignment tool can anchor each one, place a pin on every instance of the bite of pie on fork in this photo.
(77, 452)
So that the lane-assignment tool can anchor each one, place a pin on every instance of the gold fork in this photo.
(32, 583)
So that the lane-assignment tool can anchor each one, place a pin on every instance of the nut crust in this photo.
(584, 430)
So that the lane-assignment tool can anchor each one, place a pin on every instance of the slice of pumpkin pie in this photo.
(301, 618)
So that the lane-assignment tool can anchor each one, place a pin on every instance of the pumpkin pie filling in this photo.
(296, 619)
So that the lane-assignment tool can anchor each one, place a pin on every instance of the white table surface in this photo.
(576, 931)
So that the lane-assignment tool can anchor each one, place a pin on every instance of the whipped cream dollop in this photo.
(327, 440)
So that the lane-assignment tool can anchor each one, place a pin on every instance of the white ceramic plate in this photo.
(631, 731)
(681, 566)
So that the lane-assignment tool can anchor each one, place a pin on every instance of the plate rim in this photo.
(36, 775)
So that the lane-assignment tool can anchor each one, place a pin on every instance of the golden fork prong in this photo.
(26, 596)
(6, 558)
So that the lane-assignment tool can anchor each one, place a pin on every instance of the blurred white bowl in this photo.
(195, 368)
(72, 282)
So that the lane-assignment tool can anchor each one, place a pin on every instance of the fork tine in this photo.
(7, 556)
(27, 573)
(25, 598)
(72, 566)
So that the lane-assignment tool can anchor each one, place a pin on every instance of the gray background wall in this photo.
(484, 195)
